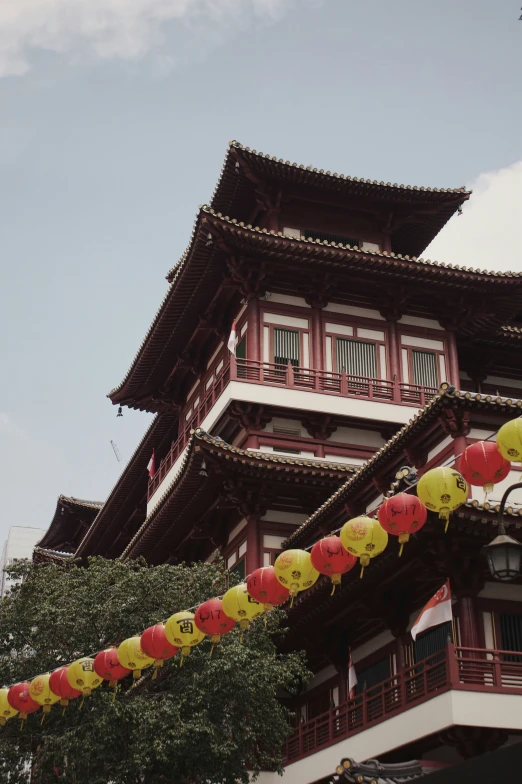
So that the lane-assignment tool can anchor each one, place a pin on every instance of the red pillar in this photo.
(394, 359)
(459, 445)
(342, 671)
(468, 626)
(253, 559)
(253, 334)
(317, 340)
(453, 360)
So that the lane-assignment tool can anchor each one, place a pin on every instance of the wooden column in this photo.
(453, 360)
(253, 333)
(342, 671)
(394, 358)
(469, 631)
(253, 557)
(317, 340)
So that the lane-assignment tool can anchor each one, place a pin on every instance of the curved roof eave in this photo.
(390, 447)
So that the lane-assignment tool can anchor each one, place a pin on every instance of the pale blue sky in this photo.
(116, 130)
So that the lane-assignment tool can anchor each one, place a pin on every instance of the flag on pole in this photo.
(231, 345)
(437, 611)
(352, 679)
(151, 465)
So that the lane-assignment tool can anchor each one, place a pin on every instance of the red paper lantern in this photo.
(19, 699)
(401, 515)
(265, 588)
(211, 619)
(108, 667)
(329, 557)
(155, 644)
(61, 686)
(482, 465)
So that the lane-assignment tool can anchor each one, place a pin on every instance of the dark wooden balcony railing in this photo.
(468, 669)
(290, 377)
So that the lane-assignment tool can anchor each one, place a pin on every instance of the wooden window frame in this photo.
(331, 317)
(428, 335)
(356, 339)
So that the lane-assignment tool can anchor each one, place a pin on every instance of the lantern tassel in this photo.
(114, 695)
(22, 725)
(444, 514)
(63, 710)
(212, 649)
(401, 548)
(292, 601)
(80, 706)
(333, 590)
(42, 719)
(155, 674)
(362, 572)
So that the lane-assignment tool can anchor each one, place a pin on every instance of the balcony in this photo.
(455, 668)
(289, 377)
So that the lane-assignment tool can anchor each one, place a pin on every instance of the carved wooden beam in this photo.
(455, 422)
(248, 277)
(319, 425)
(251, 416)
(249, 501)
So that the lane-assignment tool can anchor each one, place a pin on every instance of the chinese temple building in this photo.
(357, 365)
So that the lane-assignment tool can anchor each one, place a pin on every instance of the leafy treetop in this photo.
(213, 719)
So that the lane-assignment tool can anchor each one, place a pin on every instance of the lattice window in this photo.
(373, 675)
(357, 357)
(424, 368)
(511, 634)
(286, 346)
(432, 641)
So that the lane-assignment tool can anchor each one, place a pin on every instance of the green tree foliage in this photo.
(211, 720)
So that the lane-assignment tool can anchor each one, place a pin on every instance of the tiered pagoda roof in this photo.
(125, 508)
(204, 294)
(195, 492)
(375, 772)
(72, 518)
(393, 588)
(420, 429)
(421, 212)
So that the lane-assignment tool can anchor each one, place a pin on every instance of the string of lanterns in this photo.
(442, 489)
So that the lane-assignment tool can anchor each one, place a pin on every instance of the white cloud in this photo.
(488, 235)
(126, 29)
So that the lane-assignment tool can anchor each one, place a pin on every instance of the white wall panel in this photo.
(340, 329)
(352, 310)
(370, 334)
(287, 299)
(285, 321)
(417, 342)
(418, 321)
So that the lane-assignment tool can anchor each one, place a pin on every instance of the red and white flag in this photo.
(437, 611)
(352, 679)
(232, 341)
(151, 465)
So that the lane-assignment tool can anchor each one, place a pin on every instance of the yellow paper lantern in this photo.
(294, 570)
(365, 538)
(40, 691)
(82, 676)
(131, 656)
(509, 440)
(442, 490)
(181, 631)
(6, 711)
(239, 605)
